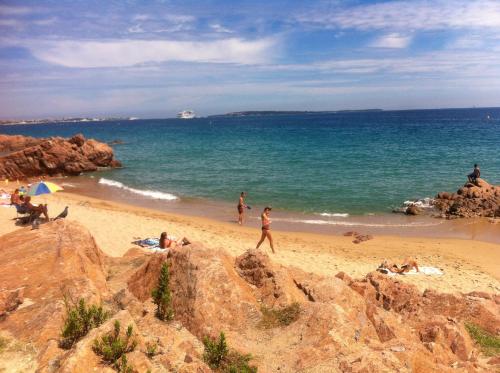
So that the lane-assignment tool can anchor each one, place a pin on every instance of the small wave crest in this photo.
(147, 193)
(425, 203)
(334, 215)
(358, 224)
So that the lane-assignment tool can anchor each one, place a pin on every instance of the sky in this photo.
(152, 59)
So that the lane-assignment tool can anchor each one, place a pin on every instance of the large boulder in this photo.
(472, 200)
(61, 259)
(28, 157)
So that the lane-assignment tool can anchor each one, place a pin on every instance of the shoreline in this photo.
(392, 224)
(468, 265)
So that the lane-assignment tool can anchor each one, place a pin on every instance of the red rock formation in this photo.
(374, 324)
(28, 157)
(472, 200)
(61, 258)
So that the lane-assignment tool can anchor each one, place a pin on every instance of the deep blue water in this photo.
(353, 163)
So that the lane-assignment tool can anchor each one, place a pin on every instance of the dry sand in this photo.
(467, 265)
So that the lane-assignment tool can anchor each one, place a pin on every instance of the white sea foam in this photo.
(334, 215)
(425, 203)
(357, 224)
(69, 185)
(147, 193)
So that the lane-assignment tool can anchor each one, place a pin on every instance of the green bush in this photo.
(151, 349)
(162, 297)
(80, 319)
(272, 318)
(112, 348)
(220, 358)
(490, 344)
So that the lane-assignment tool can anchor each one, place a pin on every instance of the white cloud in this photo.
(14, 10)
(6, 22)
(410, 15)
(135, 29)
(219, 28)
(119, 53)
(394, 41)
(45, 21)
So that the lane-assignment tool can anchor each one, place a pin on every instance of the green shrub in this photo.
(490, 344)
(151, 349)
(220, 358)
(162, 297)
(112, 347)
(80, 319)
(272, 318)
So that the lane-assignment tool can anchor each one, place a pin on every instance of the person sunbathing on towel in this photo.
(407, 266)
(166, 243)
(42, 209)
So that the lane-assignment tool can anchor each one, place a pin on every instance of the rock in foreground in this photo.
(373, 324)
(24, 157)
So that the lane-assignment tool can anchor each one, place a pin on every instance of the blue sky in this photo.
(155, 58)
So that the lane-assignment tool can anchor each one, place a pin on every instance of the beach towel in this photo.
(147, 242)
(429, 271)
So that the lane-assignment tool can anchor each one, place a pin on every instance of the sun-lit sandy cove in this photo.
(468, 265)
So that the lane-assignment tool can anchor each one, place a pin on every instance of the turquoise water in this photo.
(355, 163)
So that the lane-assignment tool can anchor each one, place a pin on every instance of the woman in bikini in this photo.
(241, 207)
(266, 228)
(166, 242)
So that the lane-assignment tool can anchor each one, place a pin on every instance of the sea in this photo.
(321, 169)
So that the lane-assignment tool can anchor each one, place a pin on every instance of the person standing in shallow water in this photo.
(266, 228)
(476, 174)
(241, 207)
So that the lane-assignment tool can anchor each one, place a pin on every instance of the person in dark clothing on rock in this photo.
(474, 175)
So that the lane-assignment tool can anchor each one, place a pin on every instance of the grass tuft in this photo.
(489, 343)
(220, 358)
(272, 318)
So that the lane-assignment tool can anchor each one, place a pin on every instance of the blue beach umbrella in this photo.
(43, 187)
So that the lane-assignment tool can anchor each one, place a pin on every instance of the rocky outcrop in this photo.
(373, 324)
(24, 157)
(59, 260)
(472, 200)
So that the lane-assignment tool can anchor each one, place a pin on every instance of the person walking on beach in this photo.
(474, 175)
(266, 228)
(241, 207)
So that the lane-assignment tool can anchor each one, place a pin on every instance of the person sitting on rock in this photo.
(474, 175)
(166, 242)
(41, 209)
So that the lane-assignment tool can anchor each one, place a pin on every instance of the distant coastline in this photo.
(62, 120)
(287, 112)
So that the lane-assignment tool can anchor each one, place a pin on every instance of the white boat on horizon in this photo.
(186, 114)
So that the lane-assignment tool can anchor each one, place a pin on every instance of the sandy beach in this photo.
(467, 265)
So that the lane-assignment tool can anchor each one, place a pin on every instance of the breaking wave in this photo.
(147, 193)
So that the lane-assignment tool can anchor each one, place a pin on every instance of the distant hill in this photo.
(284, 112)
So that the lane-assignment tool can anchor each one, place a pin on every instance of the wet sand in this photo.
(467, 264)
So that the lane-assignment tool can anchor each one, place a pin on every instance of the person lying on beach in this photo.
(42, 209)
(266, 228)
(407, 266)
(241, 207)
(166, 243)
(474, 175)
